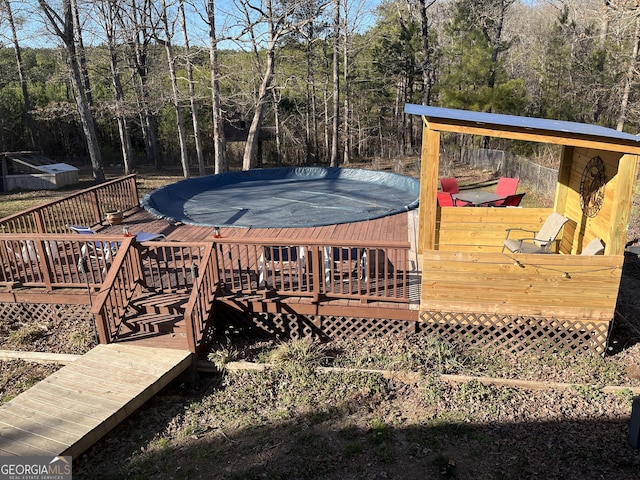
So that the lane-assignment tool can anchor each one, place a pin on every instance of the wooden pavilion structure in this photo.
(473, 292)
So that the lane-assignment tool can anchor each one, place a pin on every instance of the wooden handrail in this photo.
(270, 241)
(201, 300)
(50, 261)
(81, 208)
(376, 270)
(118, 289)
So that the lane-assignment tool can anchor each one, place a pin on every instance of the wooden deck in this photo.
(367, 269)
(390, 228)
(72, 409)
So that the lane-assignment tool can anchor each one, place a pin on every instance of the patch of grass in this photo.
(158, 456)
(380, 431)
(81, 341)
(474, 392)
(552, 366)
(301, 352)
(16, 376)
(432, 390)
(627, 396)
(589, 392)
(449, 423)
(26, 335)
(220, 357)
(20, 386)
(194, 430)
(417, 352)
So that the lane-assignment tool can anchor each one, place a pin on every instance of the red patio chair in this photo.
(449, 185)
(506, 186)
(445, 199)
(511, 201)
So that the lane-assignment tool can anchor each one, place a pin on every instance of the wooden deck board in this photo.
(172, 341)
(74, 407)
(385, 228)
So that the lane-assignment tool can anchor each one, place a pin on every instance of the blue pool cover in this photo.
(284, 197)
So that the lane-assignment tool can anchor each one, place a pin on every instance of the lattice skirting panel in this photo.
(285, 326)
(43, 312)
(515, 333)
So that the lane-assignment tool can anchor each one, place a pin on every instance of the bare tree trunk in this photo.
(31, 124)
(182, 136)
(427, 80)
(633, 62)
(219, 141)
(308, 132)
(82, 58)
(63, 27)
(345, 65)
(398, 115)
(315, 140)
(108, 18)
(606, 18)
(248, 160)
(123, 124)
(192, 93)
(136, 23)
(336, 85)
(496, 41)
(327, 135)
(276, 114)
(279, 22)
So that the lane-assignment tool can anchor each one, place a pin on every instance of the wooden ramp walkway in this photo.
(73, 408)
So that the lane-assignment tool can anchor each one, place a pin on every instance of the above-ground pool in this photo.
(284, 197)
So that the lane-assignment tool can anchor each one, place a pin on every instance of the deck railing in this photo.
(201, 301)
(87, 207)
(118, 266)
(170, 266)
(53, 261)
(120, 285)
(364, 270)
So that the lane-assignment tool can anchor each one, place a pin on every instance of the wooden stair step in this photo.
(154, 322)
(160, 303)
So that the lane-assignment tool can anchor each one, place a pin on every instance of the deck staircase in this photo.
(155, 317)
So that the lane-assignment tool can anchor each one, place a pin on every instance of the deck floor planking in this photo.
(392, 228)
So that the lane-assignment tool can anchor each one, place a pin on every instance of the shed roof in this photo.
(526, 128)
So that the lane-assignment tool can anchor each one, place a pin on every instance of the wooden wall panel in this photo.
(583, 228)
(552, 286)
(483, 229)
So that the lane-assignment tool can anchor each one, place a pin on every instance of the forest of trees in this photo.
(162, 82)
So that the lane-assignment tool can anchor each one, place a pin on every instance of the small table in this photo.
(477, 197)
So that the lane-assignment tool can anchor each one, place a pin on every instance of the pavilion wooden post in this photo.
(428, 189)
(621, 209)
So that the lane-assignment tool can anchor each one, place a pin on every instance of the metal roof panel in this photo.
(531, 124)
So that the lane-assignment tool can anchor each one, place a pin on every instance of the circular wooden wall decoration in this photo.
(592, 186)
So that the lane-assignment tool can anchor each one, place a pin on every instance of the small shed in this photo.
(475, 293)
(34, 171)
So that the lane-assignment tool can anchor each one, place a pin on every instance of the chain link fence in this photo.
(542, 179)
